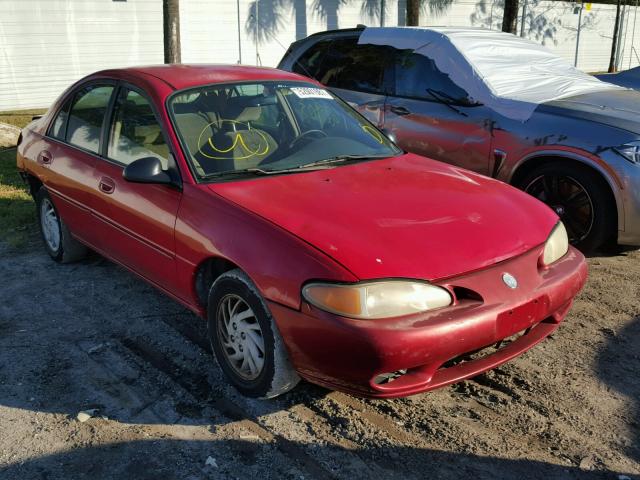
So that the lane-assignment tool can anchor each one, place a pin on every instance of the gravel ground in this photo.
(92, 337)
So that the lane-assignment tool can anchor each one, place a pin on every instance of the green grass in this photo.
(17, 212)
(20, 118)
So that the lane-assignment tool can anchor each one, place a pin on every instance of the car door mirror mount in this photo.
(390, 135)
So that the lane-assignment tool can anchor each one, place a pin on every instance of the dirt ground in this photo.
(90, 336)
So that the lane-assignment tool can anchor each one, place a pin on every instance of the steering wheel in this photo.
(308, 135)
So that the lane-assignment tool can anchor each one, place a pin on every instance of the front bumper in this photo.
(627, 197)
(630, 177)
(354, 355)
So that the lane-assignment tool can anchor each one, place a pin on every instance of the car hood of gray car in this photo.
(618, 108)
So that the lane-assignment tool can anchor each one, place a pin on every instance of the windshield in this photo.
(271, 127)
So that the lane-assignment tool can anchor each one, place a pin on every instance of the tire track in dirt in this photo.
(198, 387)
(317, 421)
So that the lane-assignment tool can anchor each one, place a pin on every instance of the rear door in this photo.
(137, 220)
(356, 73)
(70, 152)
(432, 116)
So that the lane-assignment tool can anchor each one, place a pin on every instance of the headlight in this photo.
(630, 151)
(557, 244)
(377, 299)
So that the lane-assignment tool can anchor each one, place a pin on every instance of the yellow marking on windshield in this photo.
(374, 133)
(261, 149)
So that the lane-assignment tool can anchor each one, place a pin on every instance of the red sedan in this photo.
(312, 245)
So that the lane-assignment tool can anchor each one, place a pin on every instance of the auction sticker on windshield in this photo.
(307, 92)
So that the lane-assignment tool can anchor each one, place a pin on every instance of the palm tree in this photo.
(510, 16)
(300, 7)
(327, 10)
(614, 44)
(266, 17)
(171, 26)
(436, 7)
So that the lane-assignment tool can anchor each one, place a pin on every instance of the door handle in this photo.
(45, 157)
(374, 105)
(400, 110)
(106, 185)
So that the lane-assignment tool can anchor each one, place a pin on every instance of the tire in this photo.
(245, 339)
(590, 217)
(57, 239)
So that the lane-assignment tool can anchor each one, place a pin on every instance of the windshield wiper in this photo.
(446, 100)
(242, 171)
(337, 159)
(319, 163)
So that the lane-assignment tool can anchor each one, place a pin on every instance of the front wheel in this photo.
(580, 198)
(245, 339)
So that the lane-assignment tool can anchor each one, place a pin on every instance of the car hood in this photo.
(406, 216)
(617, 108)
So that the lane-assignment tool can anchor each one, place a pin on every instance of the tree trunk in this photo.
(510, 17)
(614, 44)
(413, 13)
(171, 21)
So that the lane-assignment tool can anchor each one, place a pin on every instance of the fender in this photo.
(586, 158)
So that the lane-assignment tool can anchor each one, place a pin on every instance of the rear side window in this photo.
(356, 67)
(86, 116)
(418, 77)
(59, 125)
(135, 132)
(310, 61)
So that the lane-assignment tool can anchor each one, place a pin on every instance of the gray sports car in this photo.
(497, 104)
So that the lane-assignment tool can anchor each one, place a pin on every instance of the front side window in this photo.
(418, 77)
(351, 66)
(272, 127)
(86, 116)
(135, 132)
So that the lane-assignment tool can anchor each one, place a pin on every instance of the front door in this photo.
(138, 220)
(433, 117)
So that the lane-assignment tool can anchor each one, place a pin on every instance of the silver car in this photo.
(578, 152)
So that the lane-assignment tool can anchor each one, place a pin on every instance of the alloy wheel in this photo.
(569, 199)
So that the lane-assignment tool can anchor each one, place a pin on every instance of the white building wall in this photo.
(45, 45)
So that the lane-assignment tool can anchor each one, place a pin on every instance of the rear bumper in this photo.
(351, 355)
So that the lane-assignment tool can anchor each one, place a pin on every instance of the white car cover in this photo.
(509, 74)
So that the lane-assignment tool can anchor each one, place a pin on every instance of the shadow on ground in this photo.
(91, 336)
(619, 368)
(169, 459)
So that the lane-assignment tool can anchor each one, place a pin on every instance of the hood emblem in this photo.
(509, 280)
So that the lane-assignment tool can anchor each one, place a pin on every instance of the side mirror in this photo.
(146, 170)
(390, 135)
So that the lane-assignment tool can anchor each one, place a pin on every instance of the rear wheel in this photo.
(57, 238)
(246, 340)
(581, 200)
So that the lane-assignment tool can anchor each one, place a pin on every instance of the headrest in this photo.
(249, 114)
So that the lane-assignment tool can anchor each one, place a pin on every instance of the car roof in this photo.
(180, 76)
(444, 30)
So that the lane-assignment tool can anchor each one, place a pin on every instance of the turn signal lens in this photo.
(557, 245)
(378, 299)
